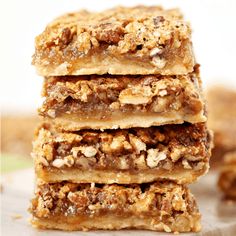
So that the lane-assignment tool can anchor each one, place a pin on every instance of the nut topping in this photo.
(158, 62)
(136, 95)
(137, 143)
(88, 151)
(155, 51)
(154, 157)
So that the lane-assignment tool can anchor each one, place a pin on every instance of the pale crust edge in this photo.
(111, 222)
(125, 177)
(144, 121)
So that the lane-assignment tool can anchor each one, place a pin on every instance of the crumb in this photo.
(1, 188)
(16, 216)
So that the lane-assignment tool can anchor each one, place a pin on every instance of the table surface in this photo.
(218, 216)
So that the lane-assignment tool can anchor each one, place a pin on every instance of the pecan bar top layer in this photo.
(111, 102)
(162, 206)
(138, 40)
(176, 152)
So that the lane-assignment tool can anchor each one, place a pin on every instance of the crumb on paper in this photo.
(16, 216)
(1, 188)
(229, 201)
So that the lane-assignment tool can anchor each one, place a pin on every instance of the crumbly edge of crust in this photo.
(177, 175)
(182, 223)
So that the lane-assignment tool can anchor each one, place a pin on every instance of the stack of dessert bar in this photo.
(124, 122)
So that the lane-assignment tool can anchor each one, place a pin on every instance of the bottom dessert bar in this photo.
(159, 206)
(227, 180)
(175, 152)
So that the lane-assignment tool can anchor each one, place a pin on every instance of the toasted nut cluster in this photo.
(66, 161)
(186, 164)
(136, 95)
(87, 151)
(159, 62)
(137, 143)
(154, 157)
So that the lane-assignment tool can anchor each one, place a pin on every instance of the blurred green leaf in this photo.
(11, 162)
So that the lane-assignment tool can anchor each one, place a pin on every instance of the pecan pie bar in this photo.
(160, 206)
(177, 152)
(138, 40)
(227, 180)
(222, 120)
(110, 102)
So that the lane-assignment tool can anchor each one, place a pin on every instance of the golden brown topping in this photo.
(149, 39)
(166, 147)
(157, 199)
(124, 29)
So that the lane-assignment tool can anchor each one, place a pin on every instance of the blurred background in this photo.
(214, 38)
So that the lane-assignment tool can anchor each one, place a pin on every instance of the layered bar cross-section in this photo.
(138, 40)
(177, 152)
(162, 206)
(111, 102)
